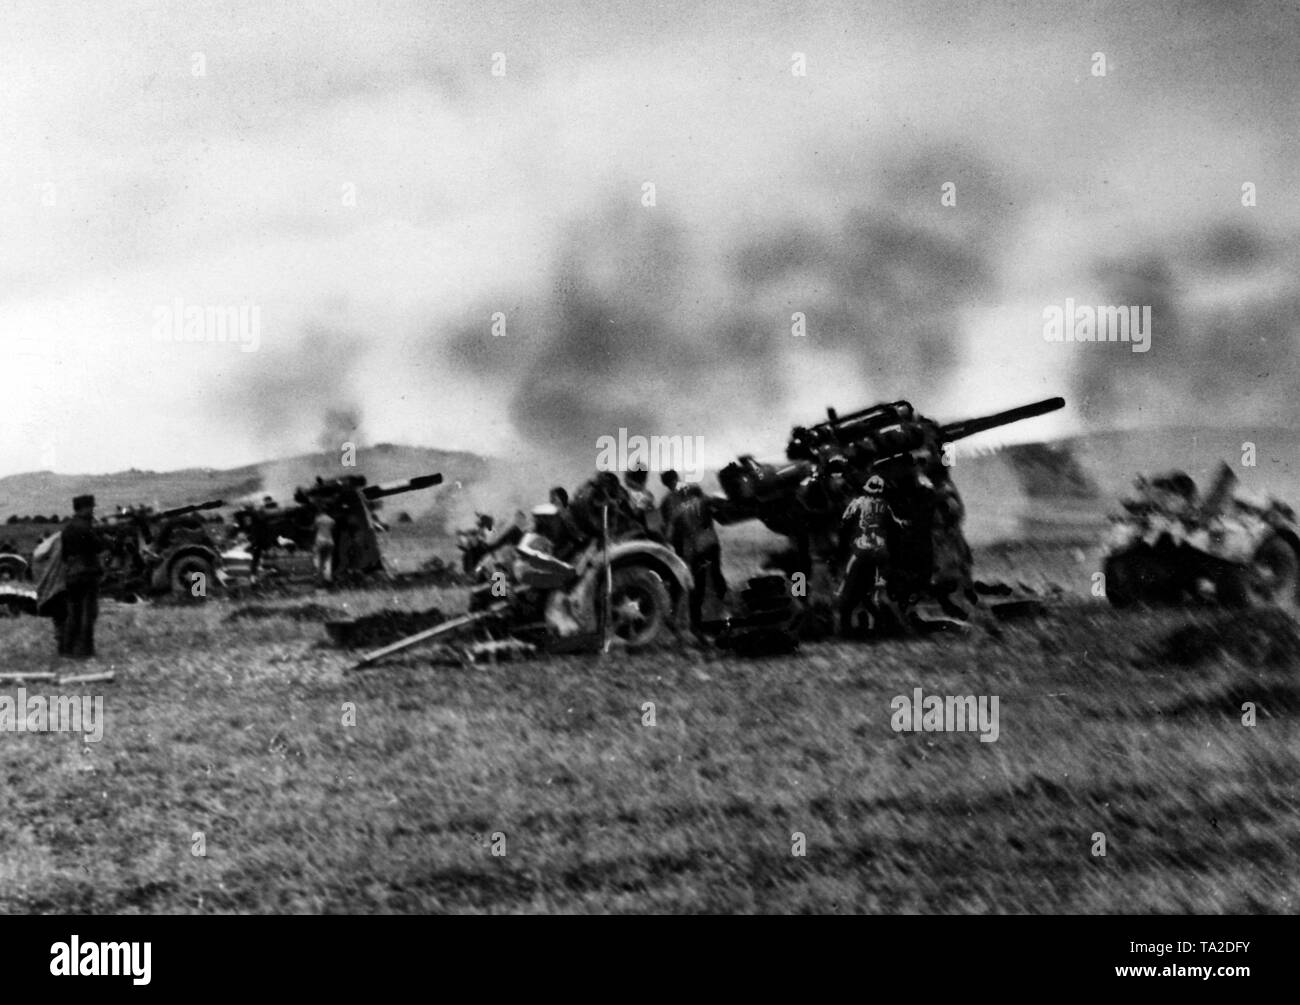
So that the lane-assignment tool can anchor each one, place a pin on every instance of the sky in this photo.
(359, 180)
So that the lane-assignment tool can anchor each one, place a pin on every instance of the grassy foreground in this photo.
(233, 730)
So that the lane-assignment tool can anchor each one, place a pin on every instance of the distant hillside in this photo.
(1062, 489)
(47, 493)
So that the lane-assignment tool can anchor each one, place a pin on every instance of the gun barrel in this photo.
(396, 488)
(969, 427)
(211, 504)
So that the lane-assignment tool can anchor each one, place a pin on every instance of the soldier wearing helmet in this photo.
(866, 529)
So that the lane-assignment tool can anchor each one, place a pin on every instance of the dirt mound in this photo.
(1261, 638)
(382, 627)
(300, 612)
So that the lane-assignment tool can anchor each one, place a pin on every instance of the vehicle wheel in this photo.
(642, 607)
(184, 569)
(1275, 574)
(12, 569)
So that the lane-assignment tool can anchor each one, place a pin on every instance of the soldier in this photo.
(867, 522)
(324, 547)
(596, 494)
(473, 542)
(81, 546)
(671, 501)
(949, 551)
(642, 499)
(567, 538)
(695, 539)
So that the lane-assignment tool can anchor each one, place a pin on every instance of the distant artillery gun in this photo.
(167, 552)
(349, 501)
(804, 498)
(1171, 545)
(146, 552)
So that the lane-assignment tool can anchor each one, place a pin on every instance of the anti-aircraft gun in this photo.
(828, 463)
(163, 551)
(349, 501)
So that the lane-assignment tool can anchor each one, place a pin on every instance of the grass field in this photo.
(233, 730)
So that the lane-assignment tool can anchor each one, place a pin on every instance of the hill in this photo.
(1060, 490)
(47, 493)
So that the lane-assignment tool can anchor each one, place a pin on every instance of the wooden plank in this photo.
(88, 678)
(445, 628)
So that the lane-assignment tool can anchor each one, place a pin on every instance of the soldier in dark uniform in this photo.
(601, 491)
(641, 499)
(567, 538)
(695, 539)
(81, 547)
(668, 505)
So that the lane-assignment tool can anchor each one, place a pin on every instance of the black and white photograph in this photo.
(651, 458)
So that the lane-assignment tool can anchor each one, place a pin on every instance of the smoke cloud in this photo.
(1225, 299)
(648, 325)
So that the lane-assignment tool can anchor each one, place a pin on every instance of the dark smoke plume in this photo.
(340, 426)
(1224, 348)
(654, 327)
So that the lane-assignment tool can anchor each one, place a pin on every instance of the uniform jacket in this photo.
(868, 520)
(692, 530)
(81, 548)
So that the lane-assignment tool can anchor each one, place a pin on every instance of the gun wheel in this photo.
(183, 573)
(641, 606)
(1275, 575)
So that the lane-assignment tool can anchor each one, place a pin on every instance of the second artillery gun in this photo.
(1172, 545)
(160, 552)
(147, 552)
(826, 465)
(350, 501)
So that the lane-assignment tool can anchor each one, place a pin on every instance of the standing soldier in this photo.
(598, 492)
(671, 501)
(568, 538)
(866, 526)
(324, 548)
(695, 539)
(642, 499)
(81, 546)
